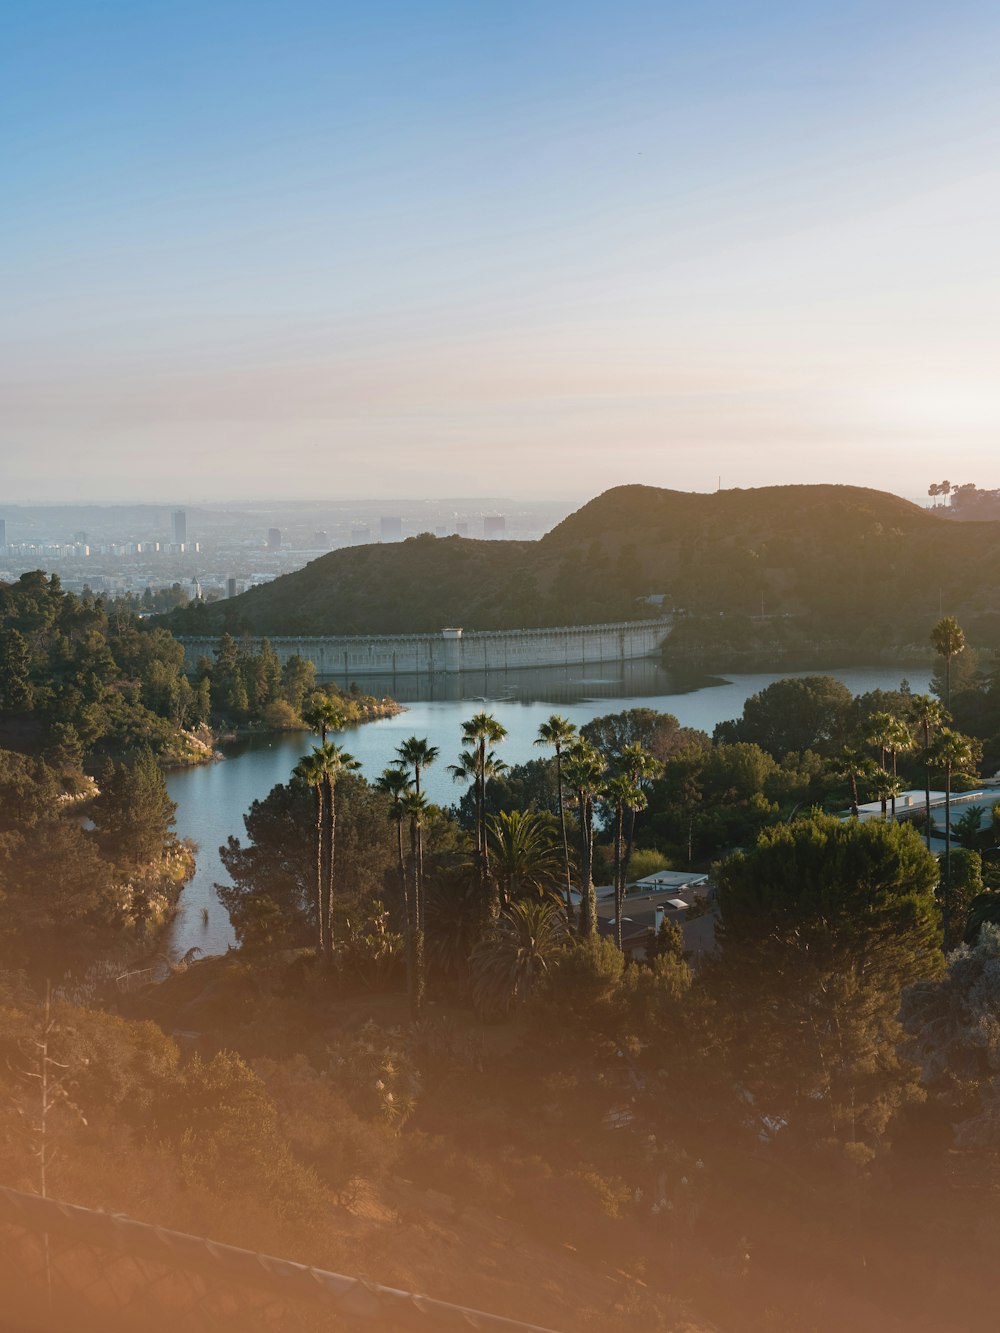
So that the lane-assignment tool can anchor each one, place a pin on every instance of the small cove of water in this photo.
(212, 799)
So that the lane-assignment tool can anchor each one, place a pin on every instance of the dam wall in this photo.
(453, 650)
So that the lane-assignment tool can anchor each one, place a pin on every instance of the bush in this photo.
(323, 1130)
(281, 716)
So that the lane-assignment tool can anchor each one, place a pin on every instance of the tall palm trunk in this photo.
(619, 872)
(320, 934)
(894, 775)
(408, 922)
(331, 839)
(927, 786)
(587, 914)
(417, 993)
(852, 778)
(565, 840)
(947, 859)
(629, 844)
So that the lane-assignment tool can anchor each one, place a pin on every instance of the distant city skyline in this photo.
(261, 250)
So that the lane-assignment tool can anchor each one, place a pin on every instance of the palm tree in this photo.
(898, 738)
(395, 784)
(336, 764)
(524, 852)
(558, 732)
(321, 715)
(585, 770)
(516, 952)
(621, 793)
(949, 751)
(466, 769)
(948, 640)
(312, 771)
(641, 767)
(852, 764)
(885, 786)
(417, 754)
(927, 713)
(482, 731)
(415, 807)
(878, 733)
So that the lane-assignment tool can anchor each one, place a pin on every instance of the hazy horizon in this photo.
(256, 250)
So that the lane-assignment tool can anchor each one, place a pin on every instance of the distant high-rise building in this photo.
(494, 527)
(461, 529)
(3, 532)
(390, 529)
(274, 539)
(180, 527)
(360, 534)
(321, 541)
(230, 587)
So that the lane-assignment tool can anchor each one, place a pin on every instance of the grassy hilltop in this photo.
(838, 561)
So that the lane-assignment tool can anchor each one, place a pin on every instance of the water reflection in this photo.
(557, 684)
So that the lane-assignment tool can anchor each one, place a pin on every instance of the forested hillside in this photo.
(834, 561)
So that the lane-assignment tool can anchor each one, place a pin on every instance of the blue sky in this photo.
(326, 249)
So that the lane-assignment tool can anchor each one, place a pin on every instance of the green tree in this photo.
(558, 732)
(823, 922)
(523, 852)
(396, 785)
(585, 772)
(415, 807)
(133, 813)
(952, 1030)
(322, 715)
(312, 770)
(336, 764)
(298, 679)
(482, 732)
(949, 752)
(851, 764)
(16, 693)
(948, 640)
(416, 753)
(928, 715)
(516, 952)
(277, 858)
(800, 713)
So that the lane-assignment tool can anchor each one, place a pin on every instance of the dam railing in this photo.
(67, 1269)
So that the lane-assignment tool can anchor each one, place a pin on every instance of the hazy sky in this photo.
(298, 249)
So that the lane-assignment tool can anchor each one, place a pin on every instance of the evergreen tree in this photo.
(133, 814)
(823, 923)
(16, 694)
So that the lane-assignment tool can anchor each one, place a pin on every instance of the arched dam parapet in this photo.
(455, 650)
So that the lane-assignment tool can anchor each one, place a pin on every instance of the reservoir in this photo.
(212, 799)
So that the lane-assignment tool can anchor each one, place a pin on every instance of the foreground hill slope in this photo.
(847, 557)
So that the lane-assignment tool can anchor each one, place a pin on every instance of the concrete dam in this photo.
(454, 651)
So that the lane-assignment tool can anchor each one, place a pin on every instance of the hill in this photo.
(835, 561)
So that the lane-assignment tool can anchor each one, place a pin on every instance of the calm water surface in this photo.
(212, 800)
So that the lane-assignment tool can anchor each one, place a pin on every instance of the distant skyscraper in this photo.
(230, 587)
(321, 541)
(461, 529)
(3, 532)
(494, 527)
(274, 539)
(360, 534)
(180, 527)
(390, 529)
